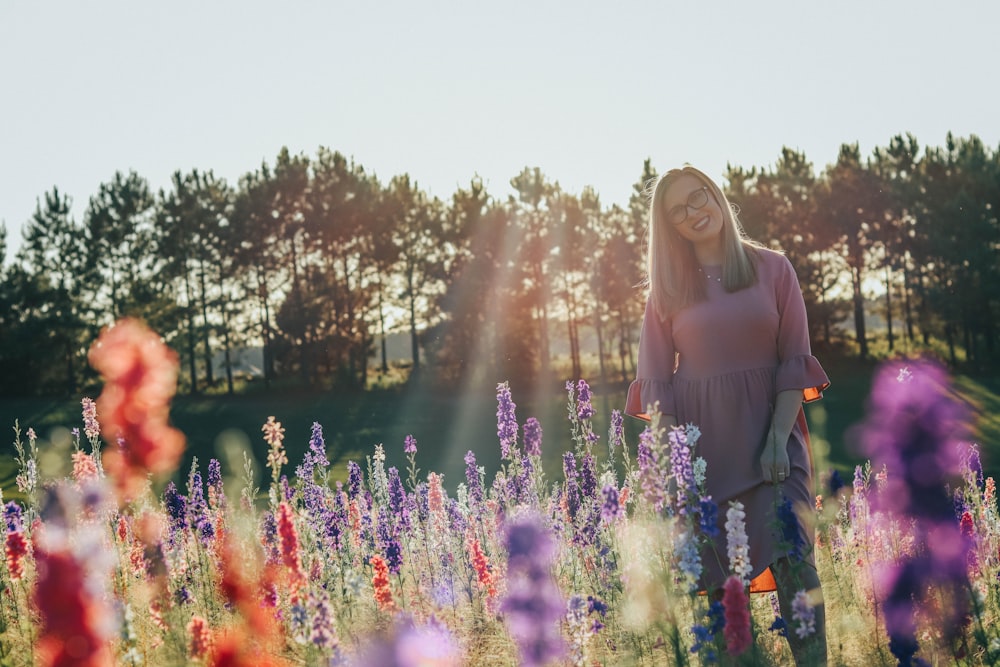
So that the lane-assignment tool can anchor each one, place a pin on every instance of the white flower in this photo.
(699, 466)
(737, 544)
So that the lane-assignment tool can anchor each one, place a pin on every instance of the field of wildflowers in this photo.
(107, 565)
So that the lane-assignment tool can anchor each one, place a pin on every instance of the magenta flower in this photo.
(737, 613)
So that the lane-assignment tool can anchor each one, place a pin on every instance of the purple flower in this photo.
(682, 470)
(533, 605)
(584, 405)
(354, 480)
(13, 516)
(91, 427)
(914, 429)
(610, 510)
(532, 437)
(506, 420)
(708, 516)
(176, 506)
(397, 497)
(616, 434)
(409, 445)
(791, 536)
(316, 455)
(652, 481)
(472, 478)
(573, 495)
(215, 475)
(324, 633)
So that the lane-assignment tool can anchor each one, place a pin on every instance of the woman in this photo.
(725, 346)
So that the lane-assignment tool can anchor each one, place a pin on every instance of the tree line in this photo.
(315, 261)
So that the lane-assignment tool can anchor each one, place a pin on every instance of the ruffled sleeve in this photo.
(797, 368)
(802, 372)
(656, 363)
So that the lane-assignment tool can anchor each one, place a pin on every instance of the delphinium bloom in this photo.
(581, 411)
(737, 544)
(140, 378)
(84, 466)
(582, 627)
(91, 427)
(15, 543)
(381, 585)
(704, 634)
(737, 614)
(914, 428)
(533, 605)
(315, 458)
(506, 421)
(611, 510)
(473, 481)
(481, 564)
(274, 436)
(532, 437)
(685, 499)
(652, 475)
(289, 540)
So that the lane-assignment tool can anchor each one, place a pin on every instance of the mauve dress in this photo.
(734, 353)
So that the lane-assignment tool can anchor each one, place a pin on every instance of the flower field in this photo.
(105, 565)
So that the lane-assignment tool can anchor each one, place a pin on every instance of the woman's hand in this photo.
(774, 463)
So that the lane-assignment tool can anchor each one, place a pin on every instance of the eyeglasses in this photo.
(696, 200)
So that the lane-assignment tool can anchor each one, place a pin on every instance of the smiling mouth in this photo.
(700, 225)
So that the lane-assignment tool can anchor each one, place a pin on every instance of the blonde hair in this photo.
(672, 272)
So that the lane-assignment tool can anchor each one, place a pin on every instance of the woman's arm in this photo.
(774, 459)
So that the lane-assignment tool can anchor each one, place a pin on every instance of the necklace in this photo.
(702, 272)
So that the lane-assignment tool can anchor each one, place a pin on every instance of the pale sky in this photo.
(448, 89)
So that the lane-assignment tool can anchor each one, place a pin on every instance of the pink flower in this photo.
(737, 614)
(84, 467)
(289, 543)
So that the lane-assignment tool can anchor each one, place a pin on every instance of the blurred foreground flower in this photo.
(74, 573)
(915, 430)
(533, 606)
(140, 375)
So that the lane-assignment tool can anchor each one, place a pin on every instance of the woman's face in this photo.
(692, 210)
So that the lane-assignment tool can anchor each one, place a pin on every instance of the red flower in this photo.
(71, 618)
(140, 374)
(737, 614)
(16, 549)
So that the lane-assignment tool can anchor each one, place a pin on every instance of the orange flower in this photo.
(383, 593)
(140, 374)
(482, 567)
